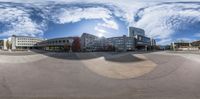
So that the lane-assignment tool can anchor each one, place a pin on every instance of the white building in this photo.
(21, 42)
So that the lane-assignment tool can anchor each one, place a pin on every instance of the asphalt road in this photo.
(174, 77)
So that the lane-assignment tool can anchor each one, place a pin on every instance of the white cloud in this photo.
(185, 39)
(100, 30)
(118, 1)
(160, 21)
(109, 24)
(164, 41)
(17, 21)
(164, 20)
(66, 15)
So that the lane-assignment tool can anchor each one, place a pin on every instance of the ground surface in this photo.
(157, 75)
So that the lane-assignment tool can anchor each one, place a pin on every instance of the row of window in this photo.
(25, 44)
(58, 41)
(27, 39)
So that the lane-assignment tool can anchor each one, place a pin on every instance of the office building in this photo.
(142, 42)
(57, 44)
(133, 31)
(97, 45)
(87, 42)
(121, 43)
(86, 39)
(135, 41)
(21, 42)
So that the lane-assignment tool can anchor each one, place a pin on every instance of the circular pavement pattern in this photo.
(120, 70)
(121, 66)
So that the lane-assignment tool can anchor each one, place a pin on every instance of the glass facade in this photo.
(133, 31)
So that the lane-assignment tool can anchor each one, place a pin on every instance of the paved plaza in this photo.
(99, 75)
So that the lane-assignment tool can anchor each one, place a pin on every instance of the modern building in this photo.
(87, 42)
(56, 44)
(133, 31)
(87, 38)
(21, 42)
(60, 44)
(122, 43)
(135, 41)
(97, 45)
(142, 42)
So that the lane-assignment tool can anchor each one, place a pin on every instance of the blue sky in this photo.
(167, 21)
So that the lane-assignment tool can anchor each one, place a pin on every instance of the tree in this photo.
(76, 45)
(110, 48)
(66, 48)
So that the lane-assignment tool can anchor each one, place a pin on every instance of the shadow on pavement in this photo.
(74, 56)
(122, 57)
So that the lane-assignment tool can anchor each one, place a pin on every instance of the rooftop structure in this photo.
(133, 31)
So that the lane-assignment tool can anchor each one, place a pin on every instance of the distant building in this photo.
(153, 44)
(183, 45)
(196, 44)
(86, 39)
(20, 42)
(133, 31)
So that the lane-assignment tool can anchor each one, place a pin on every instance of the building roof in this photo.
(25, 36)
(87, 34)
